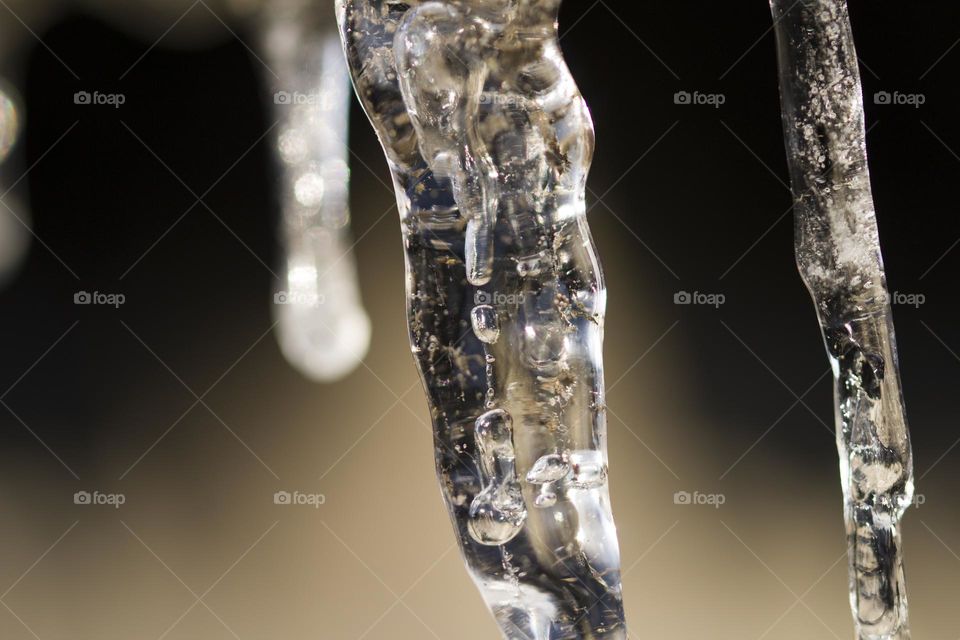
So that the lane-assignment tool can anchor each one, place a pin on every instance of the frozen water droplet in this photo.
(495, 519)
(546, 498)
(549, 468)
(479, 252)
(485, 324)
(530, 266)
(588, 470)
(497, 513)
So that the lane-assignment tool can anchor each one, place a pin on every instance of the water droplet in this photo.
(588, 470)
(549, 468)
(479, 252)
(486, 326)
(530, 266)
(498, 512)
(546, 498)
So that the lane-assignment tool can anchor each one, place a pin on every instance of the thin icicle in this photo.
(838, 253)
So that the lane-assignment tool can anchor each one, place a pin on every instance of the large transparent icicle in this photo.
(838, 253)
(323, 330)
(489, 143)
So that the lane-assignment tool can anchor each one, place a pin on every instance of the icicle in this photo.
(323, 330)
(14, 216)
(838, 253)
(489, 143)
(9, 125)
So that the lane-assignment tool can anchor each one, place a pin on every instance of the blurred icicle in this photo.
(838, 253)
(14, 217)
(323, 330)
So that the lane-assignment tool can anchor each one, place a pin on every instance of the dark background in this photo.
(693, 199)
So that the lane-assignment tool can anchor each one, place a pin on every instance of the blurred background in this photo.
(179, 405)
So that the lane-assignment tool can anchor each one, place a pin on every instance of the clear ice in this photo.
(838, 253)
(323, 329)
(489, 143)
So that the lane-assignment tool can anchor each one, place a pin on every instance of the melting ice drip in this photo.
(323, 329)
(489, 143)
(838, 253)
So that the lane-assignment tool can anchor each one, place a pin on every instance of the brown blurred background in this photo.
(732, 401)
